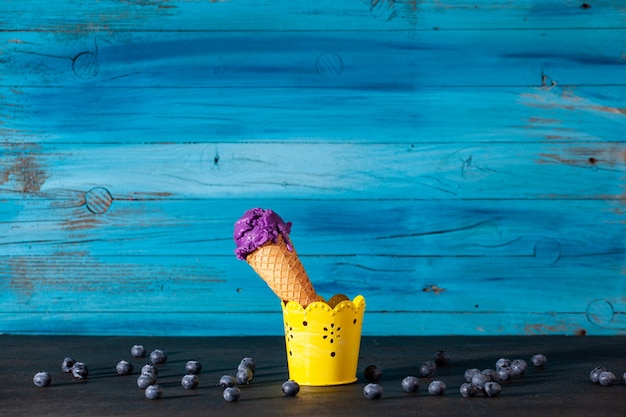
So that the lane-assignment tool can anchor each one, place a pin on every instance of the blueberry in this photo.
(410, 384)
(538, 360)
(441, 358)
(595, 373)
(247, 363)
(469, 374)
(80, 370)
(493, 375)
(227, 381)
(624, 376)
(373, 391)
(193, 367)
(290, 388)
(518, 367)
(479, 380)
(138, 351)
(606, 378)
(244, 376)
(145, 380)
(436, 387)
(157, 357)
(503, 363)
(154, 392)
(492, 389)
(468, 390)
(427, 369)
(190, 381)
(231, 394)
(67, 364)
(504, 374)
(42, 379)
(124, 368)
(373, 373)
(149, 369)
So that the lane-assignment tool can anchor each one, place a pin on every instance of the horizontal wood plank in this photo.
(271, 324)
(65, 173)
(255, 15)
(351, 59)
(92, 115)
(322, 227)
(70, 283)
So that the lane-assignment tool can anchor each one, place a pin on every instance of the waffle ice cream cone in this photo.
(282, 270)
(262, 239)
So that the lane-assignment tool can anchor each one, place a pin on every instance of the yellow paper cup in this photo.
(323, 340)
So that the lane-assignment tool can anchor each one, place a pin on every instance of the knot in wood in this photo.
(98, 200)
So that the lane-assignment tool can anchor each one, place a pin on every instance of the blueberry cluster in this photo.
(373, 374)
(147, 379)
(243, 376)
(149, 374)
(77, 369)
(373, 390)
(69, 365)
(600, 375)
(191, 380)
(245, 371)
(489, 381)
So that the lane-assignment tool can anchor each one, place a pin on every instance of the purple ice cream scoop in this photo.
(262, 239)
(257, 227)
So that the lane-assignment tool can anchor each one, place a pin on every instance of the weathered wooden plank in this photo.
(270, 324)
(346, 59)
(169, 284)
(343, 170)
(323, 227)
(411, 283)
(254, 15)
(91, 114)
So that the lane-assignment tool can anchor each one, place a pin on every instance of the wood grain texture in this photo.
(462, 165)
(324, 60)
(561, 389)
(254, 15)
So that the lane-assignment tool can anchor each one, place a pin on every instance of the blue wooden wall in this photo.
(460, 164)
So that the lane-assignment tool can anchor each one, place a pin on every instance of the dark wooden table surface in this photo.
(562, 388)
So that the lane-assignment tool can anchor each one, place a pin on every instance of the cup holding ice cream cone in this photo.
(323, 342)
(322, 338)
